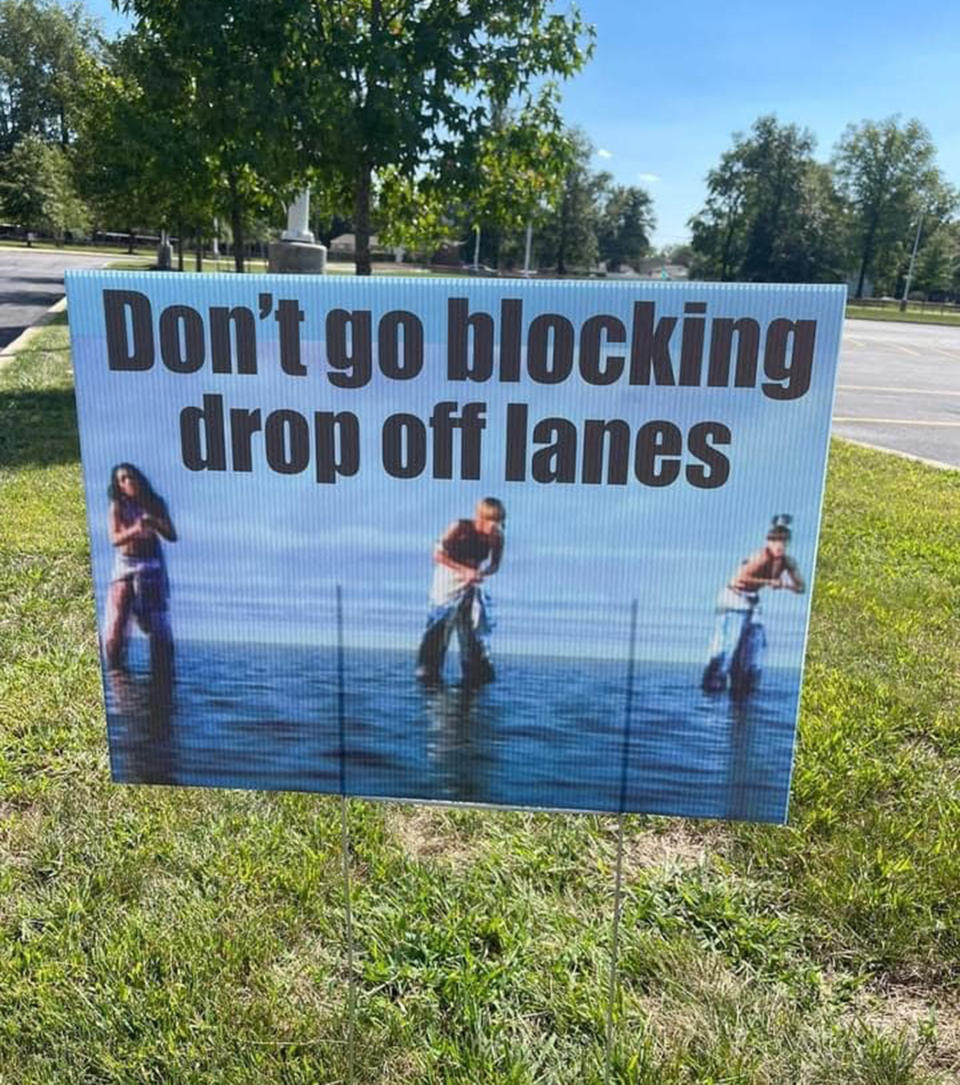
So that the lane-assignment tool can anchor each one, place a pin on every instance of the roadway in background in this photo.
(31, 280)
(898, 388)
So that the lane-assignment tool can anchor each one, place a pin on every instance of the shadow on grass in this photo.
(38, 428)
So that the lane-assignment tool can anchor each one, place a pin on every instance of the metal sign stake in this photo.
(345, 845)
(618, 872)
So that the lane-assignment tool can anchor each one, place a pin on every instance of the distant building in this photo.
(648, 269)
(346, 244)
(852, 281)
(447, 254)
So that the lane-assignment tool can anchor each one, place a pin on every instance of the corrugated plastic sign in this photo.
(498, 542)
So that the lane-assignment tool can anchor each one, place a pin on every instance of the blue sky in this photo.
(260, 554)
(670, 83)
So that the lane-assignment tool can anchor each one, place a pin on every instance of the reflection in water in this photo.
(742, 755)
(460, 742)
(143, 709)
(548, 733)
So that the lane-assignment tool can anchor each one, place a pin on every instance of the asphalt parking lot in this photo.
(898, 388)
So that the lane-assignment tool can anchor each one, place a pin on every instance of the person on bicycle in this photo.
(770, 567)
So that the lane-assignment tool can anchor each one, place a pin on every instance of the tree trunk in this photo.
(130, 241)
(198, 255)
(562, 239)
(867, 253)
(236, 224)
(866, 256)
(862, 276)
(361, 225)
(179, 247)
(725, 268)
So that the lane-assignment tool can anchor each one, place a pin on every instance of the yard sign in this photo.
(510, 543)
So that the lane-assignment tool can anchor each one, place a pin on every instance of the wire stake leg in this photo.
(618, 875)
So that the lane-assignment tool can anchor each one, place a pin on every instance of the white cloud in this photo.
(649, 178)
(604, 153)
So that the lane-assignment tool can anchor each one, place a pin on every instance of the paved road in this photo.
(30, 282)
(899, 388)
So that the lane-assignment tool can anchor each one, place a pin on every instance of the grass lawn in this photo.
(913, 315)
(91, 250)
(175, 936)
(259, 267)
(148, 262)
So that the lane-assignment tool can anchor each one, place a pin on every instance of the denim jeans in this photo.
(734, 614)
(442, 621)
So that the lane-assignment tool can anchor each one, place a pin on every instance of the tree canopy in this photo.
(44, 50)
(36, 188)
(426, 120)
(771, 214)
(568, 237)
(283, 90)
(625, 225)
(886, 174)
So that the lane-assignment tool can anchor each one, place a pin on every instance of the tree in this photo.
(420, 89)
(625, 226)
(116, 147)
(42, 52)
(499, 184)
(681, 254)
(220, 77)
(771, 213)
(286, 90)
(938, 262)
(718, 231)
(37, 191)
(568, 235)
(885, 171)
(516, 172)
(140, 159)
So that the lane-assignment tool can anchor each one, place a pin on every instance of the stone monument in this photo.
(164, 252)
(296, 253)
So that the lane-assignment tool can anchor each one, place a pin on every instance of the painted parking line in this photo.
(894, 421)
(893, 388)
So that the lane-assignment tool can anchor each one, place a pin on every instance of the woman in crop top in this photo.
(137, 520)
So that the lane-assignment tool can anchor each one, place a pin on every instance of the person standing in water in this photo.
(137, 520)
(467, 553)
(770, 567)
